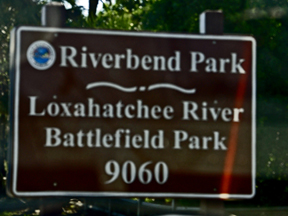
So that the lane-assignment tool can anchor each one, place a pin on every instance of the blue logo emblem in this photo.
(41, 55)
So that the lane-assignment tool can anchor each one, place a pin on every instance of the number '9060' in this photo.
(129, 172)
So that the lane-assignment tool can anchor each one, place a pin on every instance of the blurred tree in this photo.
(123, 15)
(92, 8)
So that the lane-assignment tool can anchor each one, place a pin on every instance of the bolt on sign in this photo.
(133, 114)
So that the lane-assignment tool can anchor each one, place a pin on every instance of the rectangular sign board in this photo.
(131, 114)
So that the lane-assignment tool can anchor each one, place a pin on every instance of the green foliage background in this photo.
(266, 20)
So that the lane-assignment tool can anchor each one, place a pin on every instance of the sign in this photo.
(113, 113)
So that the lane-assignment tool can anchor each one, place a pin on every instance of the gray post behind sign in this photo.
(211, 22)
(53, 15)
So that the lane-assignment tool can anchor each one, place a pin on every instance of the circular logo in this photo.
(41, 55)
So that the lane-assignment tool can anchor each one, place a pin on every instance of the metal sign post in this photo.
(211, 22)
(53, 15)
